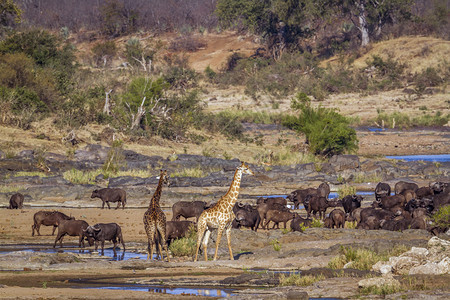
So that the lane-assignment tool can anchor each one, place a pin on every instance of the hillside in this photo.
(273, 140)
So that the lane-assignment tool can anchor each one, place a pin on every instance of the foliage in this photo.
(115, 159)
(316, 223)
(185, 246)
(442, 217)
(104, 51)
(346, 190)
(280, 23)
(10, 14)
(298, 280)
(116, 19)
(81, 177)
(276, 244)
(327, 132)
(384, 289)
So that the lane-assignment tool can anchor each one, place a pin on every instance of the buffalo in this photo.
(403, 185)
(178, 229)
(247, 216)
(16, 201)
(319, 204)
(298, 223)
(263, 208)
(277, 216)
(299, 196)
(381, 190)
(105, 232)
(48, 218)
(337, 218)
(111, 195)
(72, 228)
(351, 202)
(188, 209)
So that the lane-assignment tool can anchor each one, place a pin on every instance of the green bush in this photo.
(185, 246)
(442, 217)
(327, 132)
(116, 19)
(104, 50)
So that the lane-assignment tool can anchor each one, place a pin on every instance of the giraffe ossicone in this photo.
(220, 215)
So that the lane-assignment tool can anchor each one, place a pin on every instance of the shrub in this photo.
(103, 52)
(116, 19)
(191, 172)
(327, 132)
(442, 217)
(185, 246)
(115, 159)
(346, 190)
(276, 244)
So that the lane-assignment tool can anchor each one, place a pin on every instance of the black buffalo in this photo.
(16, 201)
(105, 232)
(111, 195)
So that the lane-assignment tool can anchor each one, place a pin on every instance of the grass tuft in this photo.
(298, 280)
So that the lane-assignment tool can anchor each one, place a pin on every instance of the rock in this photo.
(382, 267)
(344, 162)
(297, 295)
(402, 265)
(388, 280)
(432, 268)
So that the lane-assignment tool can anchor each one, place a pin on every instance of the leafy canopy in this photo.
(327, 132)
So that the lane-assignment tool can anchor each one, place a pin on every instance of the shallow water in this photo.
(200, 291)
(433, 158)
(108, 253)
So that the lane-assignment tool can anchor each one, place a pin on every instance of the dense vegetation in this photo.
(155, 92)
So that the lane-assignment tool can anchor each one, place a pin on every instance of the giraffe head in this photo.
(164, 177)
(245, 169)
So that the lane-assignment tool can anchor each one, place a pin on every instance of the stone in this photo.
(378, 281)
(432, 268)
(382, 267)
(402, 265)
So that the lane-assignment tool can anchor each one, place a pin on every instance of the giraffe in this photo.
(220, 215)
(155, 221)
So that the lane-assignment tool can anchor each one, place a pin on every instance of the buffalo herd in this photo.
(407, 207)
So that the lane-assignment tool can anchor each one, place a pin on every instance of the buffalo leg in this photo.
(107, 203)
(118, 205)
(54, 228)
(103, 205)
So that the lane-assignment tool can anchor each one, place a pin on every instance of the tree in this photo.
(370, 16)
(327, 132)
(10, 14)
(279, 22)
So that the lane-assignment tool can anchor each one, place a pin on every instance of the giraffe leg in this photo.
(228, 233)
(205, 243)
(219, 236)
(163, 241)
(201, 227)
(151, 229)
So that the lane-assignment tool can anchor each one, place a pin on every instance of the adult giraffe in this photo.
(220, 215)
(155, 221)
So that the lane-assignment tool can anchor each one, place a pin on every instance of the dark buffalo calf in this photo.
(316, 204)
(263, 208)
(381, 190)
(351, 202)
(48, 218)
(298, 222)
(16, 201)
(188, 209)
(177, 229)
(388, 202)
(246, 216)
(111, 195)
(277, 216)
(104, 232)
(337, 218)
(72, 228)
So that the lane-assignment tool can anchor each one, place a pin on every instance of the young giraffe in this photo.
(220, 215)
(155, 221)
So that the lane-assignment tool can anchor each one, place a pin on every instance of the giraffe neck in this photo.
(157, 195)
(231, 196)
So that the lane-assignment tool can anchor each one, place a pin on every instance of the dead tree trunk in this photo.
(136, 119)
(107, 107)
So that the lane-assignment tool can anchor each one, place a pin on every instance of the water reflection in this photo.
(213, 292)
(434, 158)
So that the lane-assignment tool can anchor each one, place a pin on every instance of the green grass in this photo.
(190, 172)
(88, 177)
(276, 244)
(298, 280)
(316, 223)
(362, 259)
(11, 189)
(384, 289)
(361, 177)
(24, 173)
